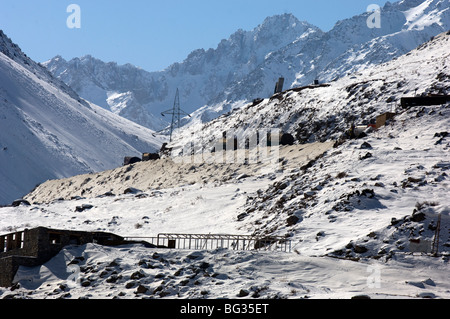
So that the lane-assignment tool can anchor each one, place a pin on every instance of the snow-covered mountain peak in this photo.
(247, 64)
(275, 26)
(153, 92)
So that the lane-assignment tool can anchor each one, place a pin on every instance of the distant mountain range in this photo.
(247, 64)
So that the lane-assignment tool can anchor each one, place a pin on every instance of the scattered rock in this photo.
(359, 249)
(141, 289)
(137, 275)
(156, 256)
(361, 297)
(341, 175)
(428, 295)
(83, 207)
(108, 194)
(418, 217)
(220, 276)
(280, 185)
(441, 134)
(368, 155)
(417, 284)
(243, 293)
(292, 220)
(158, 289)
(414, 179)
(204, 265)
(113, 279)
(429, 282)
(130, 285)
(131, 190)
(184, 282)
(76, 260)
(242, 216)
(164, 293)
(195, 255)
(19, 202)
(287, 139)
(309, 194)
(179, 272)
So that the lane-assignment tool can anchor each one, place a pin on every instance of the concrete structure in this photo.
(34, 247)
(131, 160)
(383, 118)
(279, 86)
(150, 157)
(429, 100)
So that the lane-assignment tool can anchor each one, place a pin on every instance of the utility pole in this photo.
(176, 113)
(435, 248)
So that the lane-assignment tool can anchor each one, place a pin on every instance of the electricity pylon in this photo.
(176, 113)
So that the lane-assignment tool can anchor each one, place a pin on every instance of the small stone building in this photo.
(34, 247)
(383, 118)
(150, 157)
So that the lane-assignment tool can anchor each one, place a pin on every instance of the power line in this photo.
(176, 113)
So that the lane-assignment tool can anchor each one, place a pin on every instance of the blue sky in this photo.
(151, 34)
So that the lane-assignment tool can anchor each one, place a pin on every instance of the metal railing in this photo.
(215, 241)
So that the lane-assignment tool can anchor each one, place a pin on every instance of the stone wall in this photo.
(33, 247)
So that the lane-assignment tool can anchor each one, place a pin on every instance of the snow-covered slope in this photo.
(48, 131)
(350, 46)
(354, 212)
(346, 241)
(320, 113)
(247, 64)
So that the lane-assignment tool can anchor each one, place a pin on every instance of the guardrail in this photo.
(214, 241)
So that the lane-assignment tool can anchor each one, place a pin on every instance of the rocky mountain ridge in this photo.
(247, 64)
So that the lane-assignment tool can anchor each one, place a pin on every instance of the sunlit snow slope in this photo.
(47, 131)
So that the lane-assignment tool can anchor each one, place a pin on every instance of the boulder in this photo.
(287, 139)
(141, 289)
(292, 220)
(360, 249)
(19, 202)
